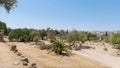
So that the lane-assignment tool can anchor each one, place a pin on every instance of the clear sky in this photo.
(64, 14)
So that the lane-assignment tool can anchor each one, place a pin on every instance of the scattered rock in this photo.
(15, 51)
(18, 54)
(25, 63)
(22, 56)
(32, 43)
(16, 63)
(118, 53)
(33, 65)
(13, 48)
(93, 47)
(24, 59)
(43, 46)
(115, 53)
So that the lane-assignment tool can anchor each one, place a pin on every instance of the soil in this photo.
(98, 53)
(42, 59)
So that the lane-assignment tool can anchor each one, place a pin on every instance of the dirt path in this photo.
(7, 58)
(112, 61)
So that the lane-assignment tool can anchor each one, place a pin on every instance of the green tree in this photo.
(19, 34)
(115, 40)
(36, 39)
(34, 33)
(43, 34)
(8, 4)
(62, 35)
(73, 37)
(14, 34)
(105, 38)
(57, 33)
(83, 36)
(3, 27)
(59, 48)
(92, 37)
(50, 34)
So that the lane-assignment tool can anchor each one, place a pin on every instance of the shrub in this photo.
(43, 47)
(59, 48)
(105, 49)
(34, 35)
(115, 40)
(24, 35)
(36, 39)
(3, 27)
(19, 34)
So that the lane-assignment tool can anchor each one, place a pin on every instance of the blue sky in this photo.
(65, 14)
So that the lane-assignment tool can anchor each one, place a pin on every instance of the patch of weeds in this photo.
(105, 49)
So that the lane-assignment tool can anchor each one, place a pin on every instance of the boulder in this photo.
(24, 63)
(18, 54)
(13, 48)
(24, 59)
(33, 65)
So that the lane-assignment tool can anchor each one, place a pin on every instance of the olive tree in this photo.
(34, 33)
(73, 37)
(50, 34)
(36, 39)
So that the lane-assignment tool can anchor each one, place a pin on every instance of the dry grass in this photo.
(43, 59)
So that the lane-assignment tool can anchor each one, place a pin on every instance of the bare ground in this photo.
(100, 55)
(43, 60)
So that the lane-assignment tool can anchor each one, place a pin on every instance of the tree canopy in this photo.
(92, 37)
(115, 40)
(3, 27)
(8, 4)
(24, 35)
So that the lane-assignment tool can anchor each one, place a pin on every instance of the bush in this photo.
(3, 27)
(36, 39)
(105, 49)
(73, 37)
(43, 47)
(115, 40)
(116, 46)
(59, 48)
(24, 35)
(21, 35)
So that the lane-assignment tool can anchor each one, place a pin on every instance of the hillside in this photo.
(43, 59)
